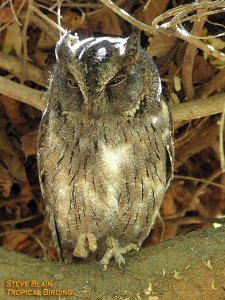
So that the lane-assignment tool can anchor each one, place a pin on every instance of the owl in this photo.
(105, 148)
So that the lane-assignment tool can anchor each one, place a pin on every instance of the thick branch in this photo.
(185, 111)
(211, 86)
(22, 93)
(11, 64)
(198, 108)
(198, 258)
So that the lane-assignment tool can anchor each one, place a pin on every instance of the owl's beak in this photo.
(96, 111)
(95, 104)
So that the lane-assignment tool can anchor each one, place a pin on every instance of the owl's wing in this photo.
(50, 215)
(55, 233)
(169, 154)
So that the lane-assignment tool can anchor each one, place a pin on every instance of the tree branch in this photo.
(198, 108)
(12, 65)
(186, 266)
(22, 93)
(189, 58)
(181, 112)
(171, 28)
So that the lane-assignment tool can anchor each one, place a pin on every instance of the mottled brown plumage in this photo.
(105, 148)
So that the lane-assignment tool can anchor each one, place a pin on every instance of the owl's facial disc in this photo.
(106, 74)
(131, 112)
(95, 61)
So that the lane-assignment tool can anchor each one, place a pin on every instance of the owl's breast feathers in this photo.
(110, 181)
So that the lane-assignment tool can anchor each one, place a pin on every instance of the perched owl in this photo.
(105, 149)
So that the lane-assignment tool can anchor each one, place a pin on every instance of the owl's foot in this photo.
(85, 242)
(113, 250)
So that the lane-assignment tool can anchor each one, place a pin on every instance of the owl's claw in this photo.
(86, 242)
(113, 250)
(122, 267)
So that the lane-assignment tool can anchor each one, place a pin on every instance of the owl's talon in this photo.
(113, 250)
(103, 266)
(86, 241)
(122, 267)
(101, 270)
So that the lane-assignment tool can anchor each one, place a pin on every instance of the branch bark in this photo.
(22, 93)
(198, 108)
(188, 267)
(189, 58)
(12, 65)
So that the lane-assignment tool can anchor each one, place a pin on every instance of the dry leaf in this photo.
(45, 42)
(177, 275)
(106, 22)
(13, 40)
(177, 83)
(10, 157)
(153, 10)
(6, 15)
(5, 181)
(16, 241)
(159, 45)
(148, 291)
(13, 110)
(208, 264)
(72, 20)
(202, 70)
(213, 285)
(40, 58)
(217, 43)
(29, 142)
(173, 99)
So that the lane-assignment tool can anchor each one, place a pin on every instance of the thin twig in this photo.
(59, 15)
(30, 235)
(189, 58)
(37, 21)
(170, 28)
(17, 14)
(52, 23)
(24, 39)
(10, 222)
(14, 13)
(199, 44)
(221, 140)
(193, 220)
(123, 14)
(200, 180)
(201, 189)
(187, 8)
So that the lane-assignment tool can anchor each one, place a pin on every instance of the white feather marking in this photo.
(112, 197)
(101, 54)
(154, 120)
(113, 158)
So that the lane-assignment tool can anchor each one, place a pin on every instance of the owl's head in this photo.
(104, 76)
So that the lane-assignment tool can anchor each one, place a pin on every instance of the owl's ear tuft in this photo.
(133, 45)
(63, 49)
